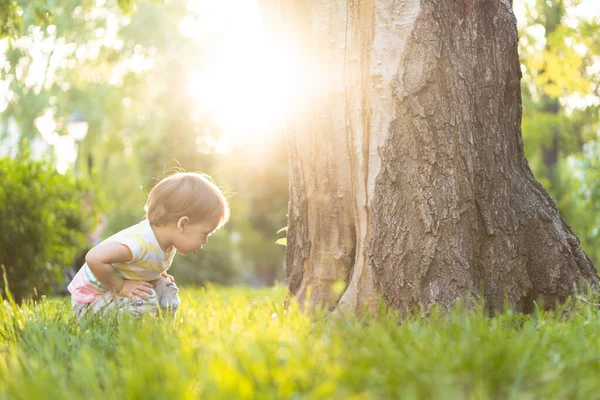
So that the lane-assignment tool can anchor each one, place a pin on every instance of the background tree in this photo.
(408, 176)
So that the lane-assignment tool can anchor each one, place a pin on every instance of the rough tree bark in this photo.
(407, 174)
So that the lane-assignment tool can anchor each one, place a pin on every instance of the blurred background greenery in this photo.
(560, 60)
(112, 95)
(128, 78)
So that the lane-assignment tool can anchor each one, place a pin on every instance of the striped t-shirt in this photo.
(148, 262)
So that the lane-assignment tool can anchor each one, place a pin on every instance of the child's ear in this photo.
(182, 223)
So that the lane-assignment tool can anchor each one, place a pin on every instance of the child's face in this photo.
(193, 236)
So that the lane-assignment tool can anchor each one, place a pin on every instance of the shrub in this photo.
(44, 217)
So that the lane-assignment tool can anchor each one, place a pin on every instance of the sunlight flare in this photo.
(248, 82)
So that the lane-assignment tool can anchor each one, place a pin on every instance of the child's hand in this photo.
(133, 288)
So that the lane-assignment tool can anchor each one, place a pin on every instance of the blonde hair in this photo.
(190, 194)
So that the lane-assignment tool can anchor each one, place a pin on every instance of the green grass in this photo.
(239, 343)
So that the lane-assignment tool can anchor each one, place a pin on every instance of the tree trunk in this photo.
(407, 173)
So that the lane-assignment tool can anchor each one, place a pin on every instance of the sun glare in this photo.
(249, 82)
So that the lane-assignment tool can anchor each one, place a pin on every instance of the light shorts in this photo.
(164, 299)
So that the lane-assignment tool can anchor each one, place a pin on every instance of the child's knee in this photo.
(167, 291)
(164, 285)
(170, 302)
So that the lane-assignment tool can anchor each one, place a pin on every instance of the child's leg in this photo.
(108, 301)
(79, 309)
(168, 300)
(163, 296)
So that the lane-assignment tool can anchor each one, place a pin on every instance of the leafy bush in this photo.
(44, 217)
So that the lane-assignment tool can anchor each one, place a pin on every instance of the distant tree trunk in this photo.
(407, 175)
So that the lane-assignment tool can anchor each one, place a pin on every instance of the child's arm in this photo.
(100, 258)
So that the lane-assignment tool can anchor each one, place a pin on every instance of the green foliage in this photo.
(561, 112)
(10, 21)
(240, 344)
(581, 203)
(44, 220)
(16, 14)
(126, 6)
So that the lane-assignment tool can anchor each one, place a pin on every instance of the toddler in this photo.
(128, 271)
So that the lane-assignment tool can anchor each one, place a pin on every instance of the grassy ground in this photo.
(238, 343)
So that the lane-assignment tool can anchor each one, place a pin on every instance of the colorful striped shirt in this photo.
(148, 262)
